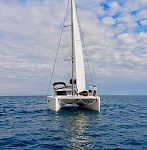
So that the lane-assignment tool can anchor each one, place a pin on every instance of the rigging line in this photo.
(68, 103)
(80, 100)
(58, 48)
(84, 48)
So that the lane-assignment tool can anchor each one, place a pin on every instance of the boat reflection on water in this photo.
(75, 127)
(78, 128)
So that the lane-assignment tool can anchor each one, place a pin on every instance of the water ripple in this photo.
(25, 123)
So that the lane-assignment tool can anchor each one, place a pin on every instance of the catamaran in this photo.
(76, 93)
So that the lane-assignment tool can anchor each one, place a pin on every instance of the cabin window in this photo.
(61, 92)
(68, 93)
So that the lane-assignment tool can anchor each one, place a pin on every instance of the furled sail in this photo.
(78, 53)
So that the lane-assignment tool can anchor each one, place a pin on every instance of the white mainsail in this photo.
(79, 59)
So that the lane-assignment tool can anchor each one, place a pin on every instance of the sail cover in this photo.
(79, 60)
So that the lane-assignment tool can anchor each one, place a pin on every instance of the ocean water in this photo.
(27, 124)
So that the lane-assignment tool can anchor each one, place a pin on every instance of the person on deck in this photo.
(90, 89)
(94, 90)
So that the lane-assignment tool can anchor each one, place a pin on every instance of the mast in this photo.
(73, 48)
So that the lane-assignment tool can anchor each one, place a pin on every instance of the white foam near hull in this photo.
(56, 103)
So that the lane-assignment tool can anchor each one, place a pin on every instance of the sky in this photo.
(115, 37)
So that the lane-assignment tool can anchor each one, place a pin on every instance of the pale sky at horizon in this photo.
(115, 36)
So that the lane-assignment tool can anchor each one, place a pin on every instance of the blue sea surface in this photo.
(27, 124)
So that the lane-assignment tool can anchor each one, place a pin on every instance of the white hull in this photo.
(56, 103)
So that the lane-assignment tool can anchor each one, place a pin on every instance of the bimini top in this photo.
(57, 83)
